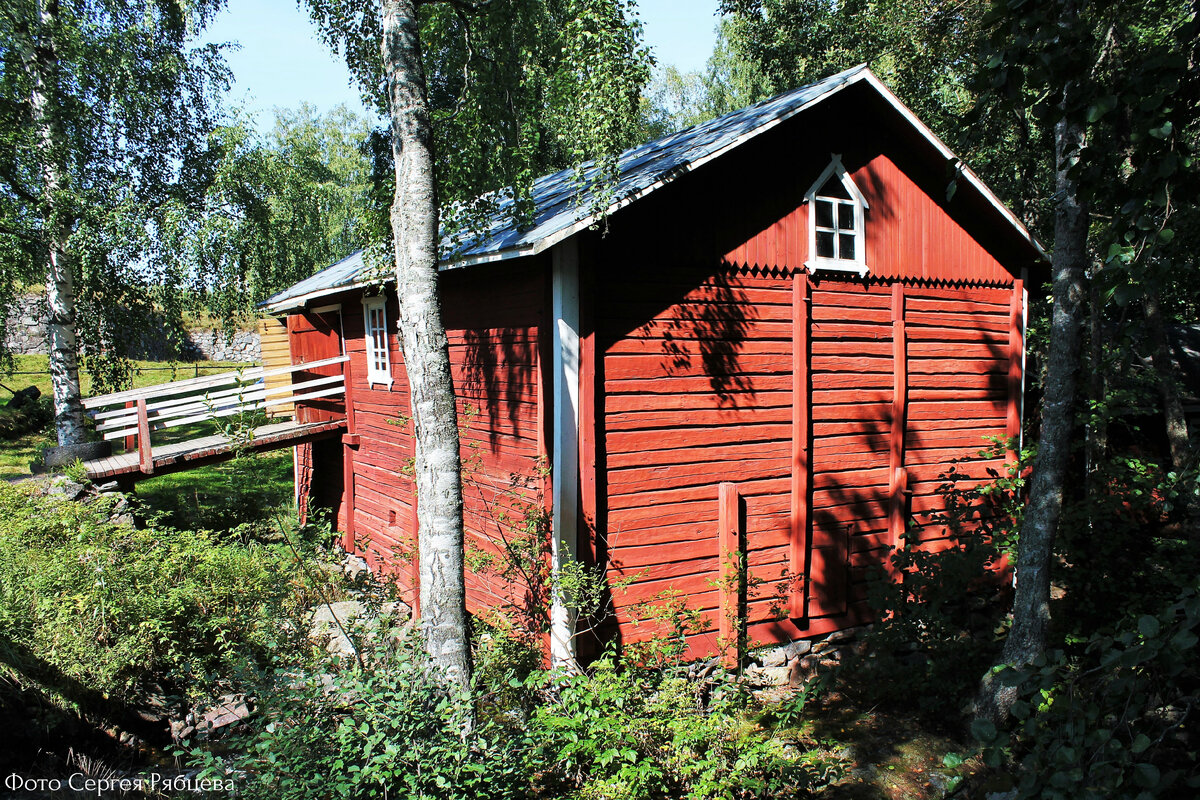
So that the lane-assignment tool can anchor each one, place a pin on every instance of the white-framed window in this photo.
(378, 368)
(836, 222)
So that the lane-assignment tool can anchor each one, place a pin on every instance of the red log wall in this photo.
(492, 319)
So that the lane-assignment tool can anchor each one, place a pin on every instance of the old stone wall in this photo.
(26, 329)
(26, 335)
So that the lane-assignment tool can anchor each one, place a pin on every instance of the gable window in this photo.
(378, 368)
(836, 222)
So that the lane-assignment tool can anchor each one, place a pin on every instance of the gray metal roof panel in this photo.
(556, 196)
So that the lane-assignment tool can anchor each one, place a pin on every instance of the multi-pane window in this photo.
(378, 368)
(836, 222)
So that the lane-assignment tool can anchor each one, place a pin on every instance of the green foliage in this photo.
(1114, 718)
(125, 99)
(622, 732)
(938, 625)
(391, 730)
(33, 417)
(87, 602)
(1121, 547)
(269, 212)
(517, 89)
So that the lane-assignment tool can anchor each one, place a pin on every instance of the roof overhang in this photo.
(839, 83)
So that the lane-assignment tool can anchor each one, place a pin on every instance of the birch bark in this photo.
(414, 219)
(42, 64)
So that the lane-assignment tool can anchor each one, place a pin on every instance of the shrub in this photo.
(33, 417)
(1118, 720)
(937, 629)
(334, 730)
(622, 732)
(106, 606)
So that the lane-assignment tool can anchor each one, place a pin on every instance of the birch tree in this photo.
(100, 102)
(481, 95)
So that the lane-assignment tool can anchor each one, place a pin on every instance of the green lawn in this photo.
(16, 454)
(219, 495)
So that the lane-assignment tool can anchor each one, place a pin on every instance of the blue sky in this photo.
(281, 63)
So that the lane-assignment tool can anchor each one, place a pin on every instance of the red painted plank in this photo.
(145, 454)
(729, 549)
(897, 478)
(1016, 349)
(801, 463)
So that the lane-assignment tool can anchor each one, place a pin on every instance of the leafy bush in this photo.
(1118, 720)
(33, 417)
(112, 608)
(1121, 547)
(334, 730)
(938, 625)
(622, 732)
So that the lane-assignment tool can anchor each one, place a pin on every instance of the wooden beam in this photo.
(1016, 357)
(801, 482)
(729, 574)
(145, 455)
(350, 441)
(414, 563)
(897, 476)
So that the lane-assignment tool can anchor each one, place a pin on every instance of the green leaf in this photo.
(1140, 744)
(1166, 235)
(983, 730)
(1148, 626)
(1184, 640)
(1163, 131)
(951, 760)
(1146, 775)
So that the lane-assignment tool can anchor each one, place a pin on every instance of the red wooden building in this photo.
(777, 341)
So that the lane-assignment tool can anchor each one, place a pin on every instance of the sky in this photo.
(281, 62)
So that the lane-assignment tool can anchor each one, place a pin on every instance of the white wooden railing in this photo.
(136, 413)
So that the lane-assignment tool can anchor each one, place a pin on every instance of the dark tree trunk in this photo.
(1031, 602)
(414, 217)
(1160, 358)
(1173, 414)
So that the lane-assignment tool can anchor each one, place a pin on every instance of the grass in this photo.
(217, 496)
(33, 370)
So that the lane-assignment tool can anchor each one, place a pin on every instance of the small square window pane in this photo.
(824, 214)
(846, 216)
(824, 245)
(846, 246)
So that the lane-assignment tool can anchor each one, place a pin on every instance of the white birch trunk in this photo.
(414, 218)
(42, 64)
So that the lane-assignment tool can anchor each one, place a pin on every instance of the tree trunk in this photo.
(42, 64)
(1160, 359)
(414, 218)
(1176, 421)
(1031, 603)
(1097, 440)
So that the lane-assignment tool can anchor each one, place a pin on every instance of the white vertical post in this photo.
(565, 440)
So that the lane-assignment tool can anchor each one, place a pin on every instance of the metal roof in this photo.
(560, 214)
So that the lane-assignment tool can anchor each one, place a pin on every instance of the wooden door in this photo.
(317, 336)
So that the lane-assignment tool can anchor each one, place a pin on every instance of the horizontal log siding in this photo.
(697, 390)
(956, 399)
(492, 320)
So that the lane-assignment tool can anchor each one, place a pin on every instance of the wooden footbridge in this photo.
(243, 410)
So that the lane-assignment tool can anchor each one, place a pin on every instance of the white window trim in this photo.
(374, 375)
(815, 263)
